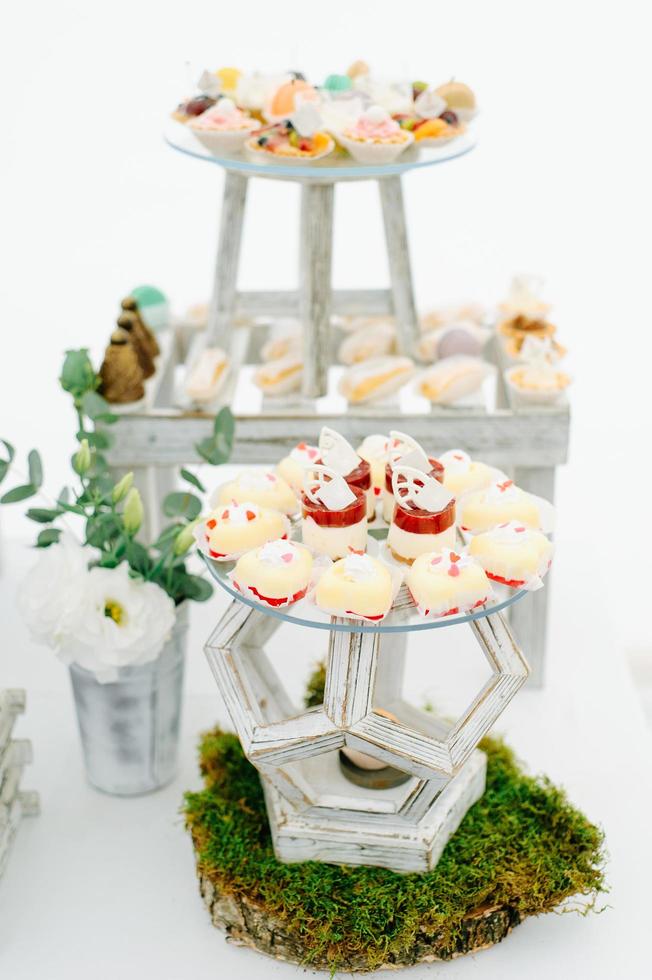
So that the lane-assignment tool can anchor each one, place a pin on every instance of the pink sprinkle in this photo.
(454, 571)
(435, 561)
(287, 557)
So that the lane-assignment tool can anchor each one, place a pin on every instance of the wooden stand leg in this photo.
(315, 284)
(529, 617)
(220, 315)
(391, 198)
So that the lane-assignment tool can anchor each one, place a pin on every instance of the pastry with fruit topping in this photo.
(497, 504)
(373, 448)
(340, 456)
(276, 574)
(234, 529)
(513, 554)
(402, 448)
(292, 468)
(446, 583)
(334, 515)
(524, 314)
(289, 97)
(223, 128)
(284, 142)
(432, 122)
(463, 474)
(357, 585)
(424, 515)
(459, 98)
(375, 137)
(266, 489)
(193, 107)
(376, 378)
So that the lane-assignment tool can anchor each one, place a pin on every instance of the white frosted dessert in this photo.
(266, 489)
(424, 515)
(513, 554)
(339, 455)
(357, 585)
(374, 450)
(292, 468)
(498, 504)
(334, 515)
(463, 474)
(277, 574)
(232, 529)
(447, 583)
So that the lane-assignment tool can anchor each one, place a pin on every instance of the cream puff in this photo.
(276, 574)
(357, 585)
(266, 489)
(462, 474)
(513, 554)
(446, 583)
(497, 504)
(231, 530)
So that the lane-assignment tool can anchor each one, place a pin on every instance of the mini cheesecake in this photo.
(436, 472)
(446, 583)
(276, 574)
(406, 450)
(234, 529)
(266, 489)
(334, 515)
(357, 585)
(292, 468)
(498, 504)
(463, 474)
(339, 455)
(513, 554)
(424, 515)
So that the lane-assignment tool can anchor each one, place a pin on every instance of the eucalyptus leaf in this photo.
(18, 493)
(49, 536)
(42, 515)
(11, 452)
(193, 587)
(96, 440)
(224, 425)
(97, 408)
(138, 557)
(181, 504)
(168, 535)
(103, 529)
(35, 468)
(193, 480)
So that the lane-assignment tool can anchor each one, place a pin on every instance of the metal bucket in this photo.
(130, 728)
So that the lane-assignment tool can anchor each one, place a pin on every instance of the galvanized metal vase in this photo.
(130, 728)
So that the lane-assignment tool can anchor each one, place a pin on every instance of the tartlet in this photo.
(276, 574)
(513, 554)
(283, 143)
(447, 583)
(375, 138)
(223, 128)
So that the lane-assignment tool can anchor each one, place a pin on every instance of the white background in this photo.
(93, 203)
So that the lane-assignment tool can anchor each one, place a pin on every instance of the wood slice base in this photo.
(521, 850)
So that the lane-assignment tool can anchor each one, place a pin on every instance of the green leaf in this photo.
(103, 529)
(191, 587)
(192, 479)
(48, 537)
(96, 440)
(138, 557)
(208, 450)
(18, 493)
(216, 449)
(78, 374)
(70, 508)
(168, 535)
(35, 468)
(224, 425)
(11, 452)
(42, 515)
(182, 505)
(97, 408)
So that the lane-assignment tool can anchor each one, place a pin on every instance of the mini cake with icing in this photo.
(266, 489)
(340, 456)
(463, 474)
(234, 529)
(375, 137)
(513, 554)
(404, 449)
(223, 128)
(497, 504)
(292, 468)
(277, 573)
(374, 449)
(524, 314)
(445, 583)
(537, 383)
(357, 585)
(424, 515)
(334, 515)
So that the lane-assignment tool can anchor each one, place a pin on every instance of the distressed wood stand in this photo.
(15, 754)
(315, 813)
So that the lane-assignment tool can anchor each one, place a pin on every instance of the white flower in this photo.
(51, 596)
(124, 622)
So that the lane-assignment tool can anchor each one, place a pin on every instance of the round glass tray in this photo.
(337, 166)
(403, 617)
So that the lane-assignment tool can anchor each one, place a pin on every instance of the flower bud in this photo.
(184, 539)
(132, 514)
(122, 488)
(82, 460)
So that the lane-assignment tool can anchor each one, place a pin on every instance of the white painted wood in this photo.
(350, 675)
(400, 272)
(222, 305)
(14, 755)
(344, 302)
(316, 247)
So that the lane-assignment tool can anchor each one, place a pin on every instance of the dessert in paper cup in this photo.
(403, 449)
(230, 531)
(333, 514)
(339, 455)
(359, 587)
(447, 583)
(424, 515)
(297, 139)
(223, 128)
(497, 504)
(277, 574)
(375, 138)
(266, 489)
(513, 554)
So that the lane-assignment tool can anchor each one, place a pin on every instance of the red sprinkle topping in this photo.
(454, 571)
(514, 583)
(212, 523)
(251, 515)
(505, 486)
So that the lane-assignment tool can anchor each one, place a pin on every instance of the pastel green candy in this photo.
(153, 305)
(338, 83)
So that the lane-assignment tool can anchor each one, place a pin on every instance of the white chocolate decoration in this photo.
(266, 489)
(429, 105)
(513, 554)
(498, 504)
(406, 449)
(447, 583)
(413, 488)
(525, 298)
(357, 585)
(323, 485)
(336, 452)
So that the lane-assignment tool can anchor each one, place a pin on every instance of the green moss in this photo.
(522, 846)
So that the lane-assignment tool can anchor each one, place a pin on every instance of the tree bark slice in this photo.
(249, 924)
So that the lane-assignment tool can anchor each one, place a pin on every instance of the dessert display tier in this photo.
(402, 618)
(332, 168)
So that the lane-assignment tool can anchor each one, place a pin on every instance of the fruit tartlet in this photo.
(234, 529)
(276, 574)
(513, 554)
(446, 583)
(463, 474)
(339, 455)
(292, 468)
(459, 98)
(357, 585)
(402, 448)
(283, 142)
(223, 128)
(375, 138)
(376, 378)
(424, 515)
(193, 107)
(334, 515)
(498, 504)
(374, 448)
(538, 383)
(432, 123)
(266, 489)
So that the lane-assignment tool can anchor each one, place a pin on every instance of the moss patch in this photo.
(522, 848)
